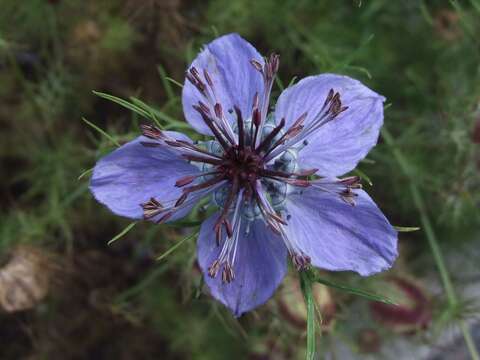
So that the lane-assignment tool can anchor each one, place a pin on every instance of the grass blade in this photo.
(85, 173)
(406, 228)
(122, 233)
(363, 176)
(173, 81)
(355, 291)
(166, 84)
(177, 245)
(124, 103)
(103, 132)
(306, 284)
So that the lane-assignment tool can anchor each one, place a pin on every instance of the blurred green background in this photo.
(66, 294)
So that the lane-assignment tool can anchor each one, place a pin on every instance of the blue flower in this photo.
(273, 177)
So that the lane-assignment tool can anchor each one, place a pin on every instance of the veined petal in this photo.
(338, 236)
(134, 173)
(336, 147)
(259, 267)
(235, 80)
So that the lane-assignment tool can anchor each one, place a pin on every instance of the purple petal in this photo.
(133, 173)
(259, 267)
(338, 236)
(227, 60)
(338, 146)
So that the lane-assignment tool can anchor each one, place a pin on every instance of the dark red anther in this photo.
(241, 132)
(204, 108)
(328, 98)
(150, 144)
(208, 78)
(213, 269)
(227, 274)
(216, 132)
(228, 228)
(199, 85)
(255, 101)
(299, 182)
(195, 74)
(257, 65)
(218, 110)
(151, 131)
(151, 208)
(185, 180)
(256, 117)
(266, 142)
(351, 180)
(165, 217)
(181, 199)
(218, 233)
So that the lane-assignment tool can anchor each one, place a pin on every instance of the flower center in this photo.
(243, 166)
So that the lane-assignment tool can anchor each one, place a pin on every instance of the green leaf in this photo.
(363, 176)
(102, 132)
(174, 81)
(166, 85)
(354, 291)
(150, 110)
(406, 228)
(124, 103)
(122, 233)
(153, 111)
(83, 174)
(306, 285)
(279, 83)
(292, 81)
(177, 245)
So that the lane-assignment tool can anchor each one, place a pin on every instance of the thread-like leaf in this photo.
(306, 284)
(406, 228)
(177, 245)
(122, 233)
(101, 131)
(354, 291)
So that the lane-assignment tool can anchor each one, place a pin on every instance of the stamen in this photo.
(151, 131)
(216, 131)
(213, 269)
(228, 253)
(196, 194)
(190, 178)
(208, 78)
(241, 132)
(226, 208)
(257, 65)
(206, 184)
(191, 149)
(150, 144)
(151, 208)
(266, 142)
(300, 261)
(271, 218)
(292, 131)
(269, 71)
(202, 159)
(340, 187)
(227, 275)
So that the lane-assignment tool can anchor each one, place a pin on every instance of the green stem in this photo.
(432, 240)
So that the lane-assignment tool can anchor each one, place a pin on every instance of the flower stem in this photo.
(432, 240)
